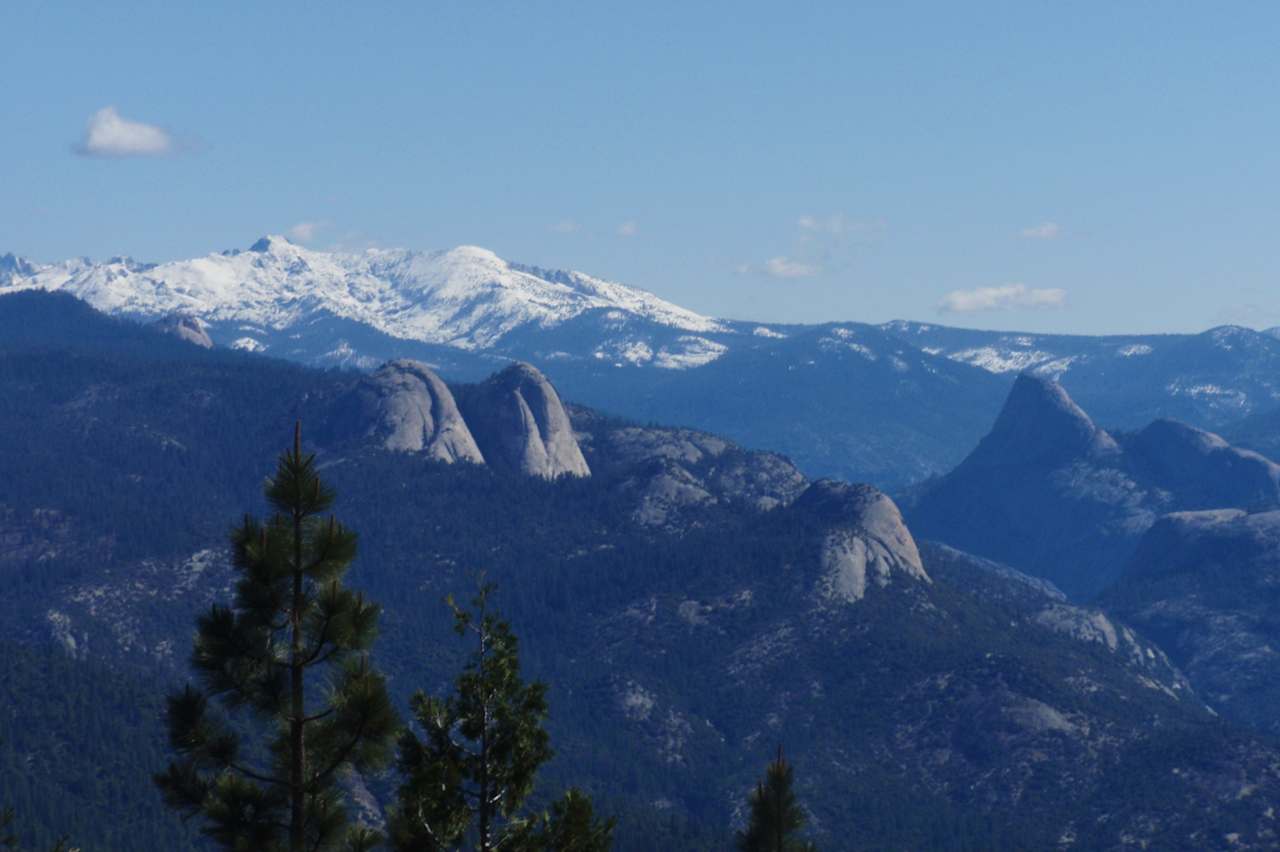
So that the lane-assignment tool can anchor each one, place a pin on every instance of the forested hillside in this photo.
(926, 698)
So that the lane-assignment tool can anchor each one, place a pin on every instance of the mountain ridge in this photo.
(893, 403)
(1052, 494)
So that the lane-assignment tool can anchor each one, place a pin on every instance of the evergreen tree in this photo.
(471, 774)
(569, 826)
(776, 816)
(291, 652)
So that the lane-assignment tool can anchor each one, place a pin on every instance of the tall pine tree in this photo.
(291, 654)
(466, 782)
(776, 816)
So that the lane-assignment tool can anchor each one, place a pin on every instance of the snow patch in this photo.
(692, 352)
(995, 360)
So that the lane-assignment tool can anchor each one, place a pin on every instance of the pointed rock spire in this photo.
(1040, 422)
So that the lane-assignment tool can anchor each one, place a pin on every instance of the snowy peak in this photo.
(1040, 422)
(12, 266)
(467, 296)
(273, 244)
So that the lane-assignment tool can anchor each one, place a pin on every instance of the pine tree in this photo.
(470, 776)
(776, 816)
(290, 653)
(569, 826)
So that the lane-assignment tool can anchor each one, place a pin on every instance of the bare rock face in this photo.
(186, 328)
(408, 408)
(1206, 586)
(675, 473)
(867, 543)
(520, 423)
(1040, 424)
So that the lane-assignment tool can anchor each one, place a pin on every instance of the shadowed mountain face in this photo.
(1206, 586)
(1260, 431)
(690, 603)
(1050, 492)
(1039, 426)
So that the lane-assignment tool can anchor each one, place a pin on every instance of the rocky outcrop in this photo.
(186, 328)
(520, 423)
(676, 473)
(1040, 424)
(405, 407)
(1206, 587)
(1034, 604)
(1053, 495)
(867, 543)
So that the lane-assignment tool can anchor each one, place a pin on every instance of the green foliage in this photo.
(470, 775)
(569, 826)
(776, 815)
(292, 652)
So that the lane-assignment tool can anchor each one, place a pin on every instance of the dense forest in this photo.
(677, 658)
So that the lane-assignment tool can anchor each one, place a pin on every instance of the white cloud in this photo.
(566, 226)
(305, 232)
(109, 135)
(785, 267)
(839, 225)
(628, 229)
(1003, 298)
(1043, 231)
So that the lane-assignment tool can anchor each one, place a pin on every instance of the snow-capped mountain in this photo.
(466, 297)
(889, 404)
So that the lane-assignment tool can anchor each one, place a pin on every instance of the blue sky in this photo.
(1087, 167)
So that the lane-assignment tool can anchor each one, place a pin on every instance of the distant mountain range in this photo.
(890, 404)
(692, 604)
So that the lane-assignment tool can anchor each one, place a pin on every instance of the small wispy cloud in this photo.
(628, 229)
(837, 225)
(820, 244)
(305, 232)
(1043, 231)
(1002, 298)
(785, 267)
(566, 226)
(108, 134)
